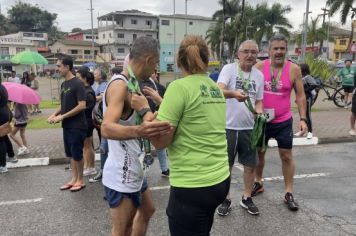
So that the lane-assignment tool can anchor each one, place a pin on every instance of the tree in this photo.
(27, 17)
(6, 26)
(76, 30)
(346, 7)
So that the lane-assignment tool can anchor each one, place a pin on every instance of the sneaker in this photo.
(89, 171)
(11, 159)
(352, 132)
(249, 206)
(257, 188)
(298, 134)
(96, 178)
(165, 173)
(291, 204)
(309, 135)
(225, 207)
(68, 168)
(21, 151)
(3, 169)
(26, 151)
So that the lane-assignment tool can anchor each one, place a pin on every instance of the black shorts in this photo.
(74, 142)
(238, 142)
(191, 211)
(22, 125)
(353, 108)
(282, 132)
(348, 89)
(90, 131)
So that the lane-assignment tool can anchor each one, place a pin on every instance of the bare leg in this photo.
(346, 98)
(13, 137)
(288, 168)
(249, 178)
(260, 166)
(74, 171)
(352, 120)
(79, 172)
(88, 153)
(23, 136)
(122, 218)
(143, 215)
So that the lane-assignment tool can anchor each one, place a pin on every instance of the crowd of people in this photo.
(199, 124)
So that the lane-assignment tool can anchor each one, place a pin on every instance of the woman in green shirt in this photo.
(199, 171)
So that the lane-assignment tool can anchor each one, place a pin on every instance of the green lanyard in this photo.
(275, 80)
(246, 82)
(133, 83)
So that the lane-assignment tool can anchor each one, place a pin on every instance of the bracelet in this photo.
(304, 119)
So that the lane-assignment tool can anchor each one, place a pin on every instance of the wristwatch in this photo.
(304, 119)
(143, 111)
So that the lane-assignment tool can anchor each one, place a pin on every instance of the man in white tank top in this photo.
(125, 186)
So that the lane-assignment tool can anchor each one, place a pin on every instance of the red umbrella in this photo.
(20, 93)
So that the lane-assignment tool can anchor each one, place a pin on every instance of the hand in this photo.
(240, 95)
(150, 129)
(303, 127)
(50, 119)
(57, 119)
(153, 94)
(138, 102)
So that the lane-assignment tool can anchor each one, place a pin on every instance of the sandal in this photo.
(76, 188)
(66, 186)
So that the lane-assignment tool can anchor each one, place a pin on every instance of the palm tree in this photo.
(346, 7)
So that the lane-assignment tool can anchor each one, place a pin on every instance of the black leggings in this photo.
(191, 211)
(308, 114)
(9, 147)
(2, 152)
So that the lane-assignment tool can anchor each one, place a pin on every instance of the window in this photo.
(148, 35)
(88, 37)
(133, 22)
(38, 35)
(109, 35)
(103, 36)
(148, 22)
(342, 41)
(170, 53)
(190, 22)
(87, 52)
(20, 50)
(121, 36)
(165, 22)
(4, 51)
(73, 51)
(27, 34)
(121, 50)
(134, 37)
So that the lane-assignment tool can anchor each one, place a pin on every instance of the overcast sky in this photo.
(75, 13)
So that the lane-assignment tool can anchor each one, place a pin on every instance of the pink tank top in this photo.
(278, 101)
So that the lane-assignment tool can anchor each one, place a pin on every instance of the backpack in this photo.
(98, 108)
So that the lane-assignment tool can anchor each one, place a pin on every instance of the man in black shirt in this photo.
(71, 114)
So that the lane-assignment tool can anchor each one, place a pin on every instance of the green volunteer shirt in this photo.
(198, 153)
(347, 76)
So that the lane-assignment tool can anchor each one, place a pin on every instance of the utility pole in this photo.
(92, 31)
(305, 31)
(186, 17)
(325, 12)
(174, 39)
(222, 37)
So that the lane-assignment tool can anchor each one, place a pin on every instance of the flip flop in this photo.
(76, 188)
(66, 186)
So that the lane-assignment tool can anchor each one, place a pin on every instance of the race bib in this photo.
(348, 80)
(269, 114)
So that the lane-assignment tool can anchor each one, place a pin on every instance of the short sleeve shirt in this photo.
(72, 92)
(198, 153)
(347, 76)
(238, 116)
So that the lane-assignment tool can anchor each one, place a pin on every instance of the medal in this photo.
(274, 81)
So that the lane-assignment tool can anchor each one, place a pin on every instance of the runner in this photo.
(199, 171)
(241, 81)
(346, 75)
(281, 77)
(126, 188)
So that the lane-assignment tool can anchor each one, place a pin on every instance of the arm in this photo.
(240, 96)
(300, 97)
(153, 94)
(259, 107)
(5, 129)
(163, 141)
(54, 114)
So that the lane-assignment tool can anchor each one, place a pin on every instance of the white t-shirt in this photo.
(238, 116)
(123, 170)
(14, 80)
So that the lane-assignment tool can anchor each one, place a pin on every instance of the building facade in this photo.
(81, 51)
(169, 42)
(118, 30)
(84, 35)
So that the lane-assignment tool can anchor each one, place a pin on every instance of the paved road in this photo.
(328, 204)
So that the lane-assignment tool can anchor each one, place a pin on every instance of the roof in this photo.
(338, 32)
(76, 43)
(189, 17)
(132, 12)
(85, 31)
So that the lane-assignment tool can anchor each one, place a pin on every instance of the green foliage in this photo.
(40, 122)
(48, 104)
(76, 30)
(320, 68)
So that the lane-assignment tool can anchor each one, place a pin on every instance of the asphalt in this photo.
(330, 125)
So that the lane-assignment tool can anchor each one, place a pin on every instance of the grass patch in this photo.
(49, 104)
(40, 122)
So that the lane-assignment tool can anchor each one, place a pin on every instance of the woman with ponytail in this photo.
(199, 170)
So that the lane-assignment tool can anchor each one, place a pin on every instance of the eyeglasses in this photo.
(246, 51)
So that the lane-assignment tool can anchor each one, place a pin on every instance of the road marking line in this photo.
(267, 179)
(297, 141)
(20, 201)
(43, 161)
